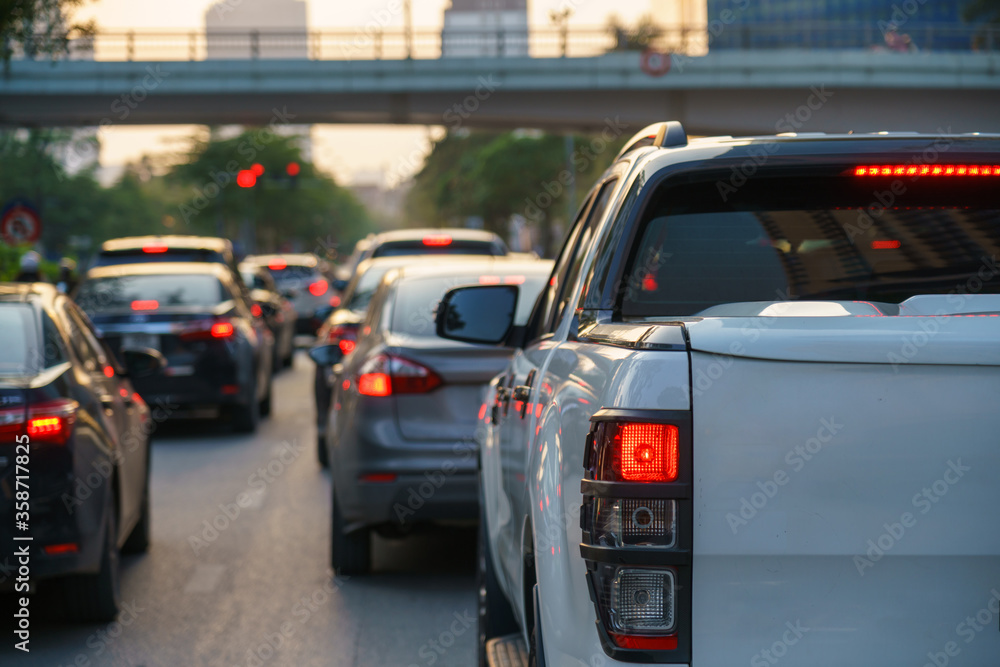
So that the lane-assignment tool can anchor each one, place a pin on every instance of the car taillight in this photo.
(437, 240)
(217, 329)
(637, 533)
(154, 248)
(52, 421)
(343, 337)
(385, 375)
(319, 287)
(145, 304)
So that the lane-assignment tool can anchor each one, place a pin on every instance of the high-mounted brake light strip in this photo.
(928, 170)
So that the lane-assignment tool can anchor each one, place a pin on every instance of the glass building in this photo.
(840, 24)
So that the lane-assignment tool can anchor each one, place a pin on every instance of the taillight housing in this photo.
(385, 375)
(219, 328)
(52, 421)
(637, 532)
(346, 338)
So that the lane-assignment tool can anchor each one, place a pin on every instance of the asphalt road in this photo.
(255, 589)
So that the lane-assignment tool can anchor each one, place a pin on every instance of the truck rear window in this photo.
(150, 292)
(809, 239)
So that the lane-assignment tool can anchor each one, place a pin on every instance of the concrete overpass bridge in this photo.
(730, 91)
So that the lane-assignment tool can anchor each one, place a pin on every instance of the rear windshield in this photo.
(150, 292)
(397, 248)
(365, 288)
(803, 239)
(17, 337)
(294, 273)
(138, 256)
(417, 298)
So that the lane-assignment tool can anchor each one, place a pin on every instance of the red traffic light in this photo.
(293, 169)
(246, 178)
(257, 168)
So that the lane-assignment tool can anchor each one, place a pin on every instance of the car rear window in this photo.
(17, 337)
(397, 248)
(365, 288)
(150, 292)
(417, 298)
(294, 273)
(809, 239)
(139, 256)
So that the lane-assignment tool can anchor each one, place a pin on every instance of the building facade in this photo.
(841, 24)
(485, 28)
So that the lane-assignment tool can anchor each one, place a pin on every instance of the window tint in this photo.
(17, 333)
(137, 256)
(594, 218)
(542, 313)
(167, 290)
(398, 248)
(55, 352)
(696, 252)
(365, 288)
(88, 351)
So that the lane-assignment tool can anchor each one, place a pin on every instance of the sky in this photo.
(351, 153)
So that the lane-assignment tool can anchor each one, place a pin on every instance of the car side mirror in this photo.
(478, 313)
(339, 285)
(326, 355)
(143, 362)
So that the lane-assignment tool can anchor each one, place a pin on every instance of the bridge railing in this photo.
(396, 43)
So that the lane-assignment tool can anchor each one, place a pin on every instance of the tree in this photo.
(309, 207)
(39, 27)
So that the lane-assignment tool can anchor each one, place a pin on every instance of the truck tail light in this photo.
(52, 421)
(637, 533)
(385, 375)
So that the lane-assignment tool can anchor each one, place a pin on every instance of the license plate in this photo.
(138, 341)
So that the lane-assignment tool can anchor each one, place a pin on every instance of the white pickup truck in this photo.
(755, 418)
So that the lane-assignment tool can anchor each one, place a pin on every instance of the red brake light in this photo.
(256, 310)
(334, 301)
(145, 304)
(56, 549)
(257, 168)
(377, 477)
(154, 249)
(437, 240)
(374, 384)
(277, 265)
(52, 421)
(668, 643)
(489, 280)
(347, 345)
(319, 288)
(222, 330)
(513, 280)
(885, 244)
(384, 375)
(648, 452)
(928, 170)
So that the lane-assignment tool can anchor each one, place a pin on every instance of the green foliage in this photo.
(39, 27)
(498, 175)
(310, 207)
(638, 38)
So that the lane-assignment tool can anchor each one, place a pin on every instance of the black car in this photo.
(218, 352)
(74, 451)
(172, 248)
(277, 311)
(450, 241)
(307, 282)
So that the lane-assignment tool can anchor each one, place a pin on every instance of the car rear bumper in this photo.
(65, 508)
(380, 477)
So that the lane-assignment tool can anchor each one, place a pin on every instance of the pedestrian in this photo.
(66, 282)
(29, 272)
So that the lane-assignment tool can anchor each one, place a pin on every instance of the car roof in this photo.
(157, 268)
(171, 241)
(538, 267)
(28, 292)
(456, 233)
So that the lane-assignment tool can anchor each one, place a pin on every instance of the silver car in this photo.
(406, 405)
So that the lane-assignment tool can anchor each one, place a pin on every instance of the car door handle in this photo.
(522, 392)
